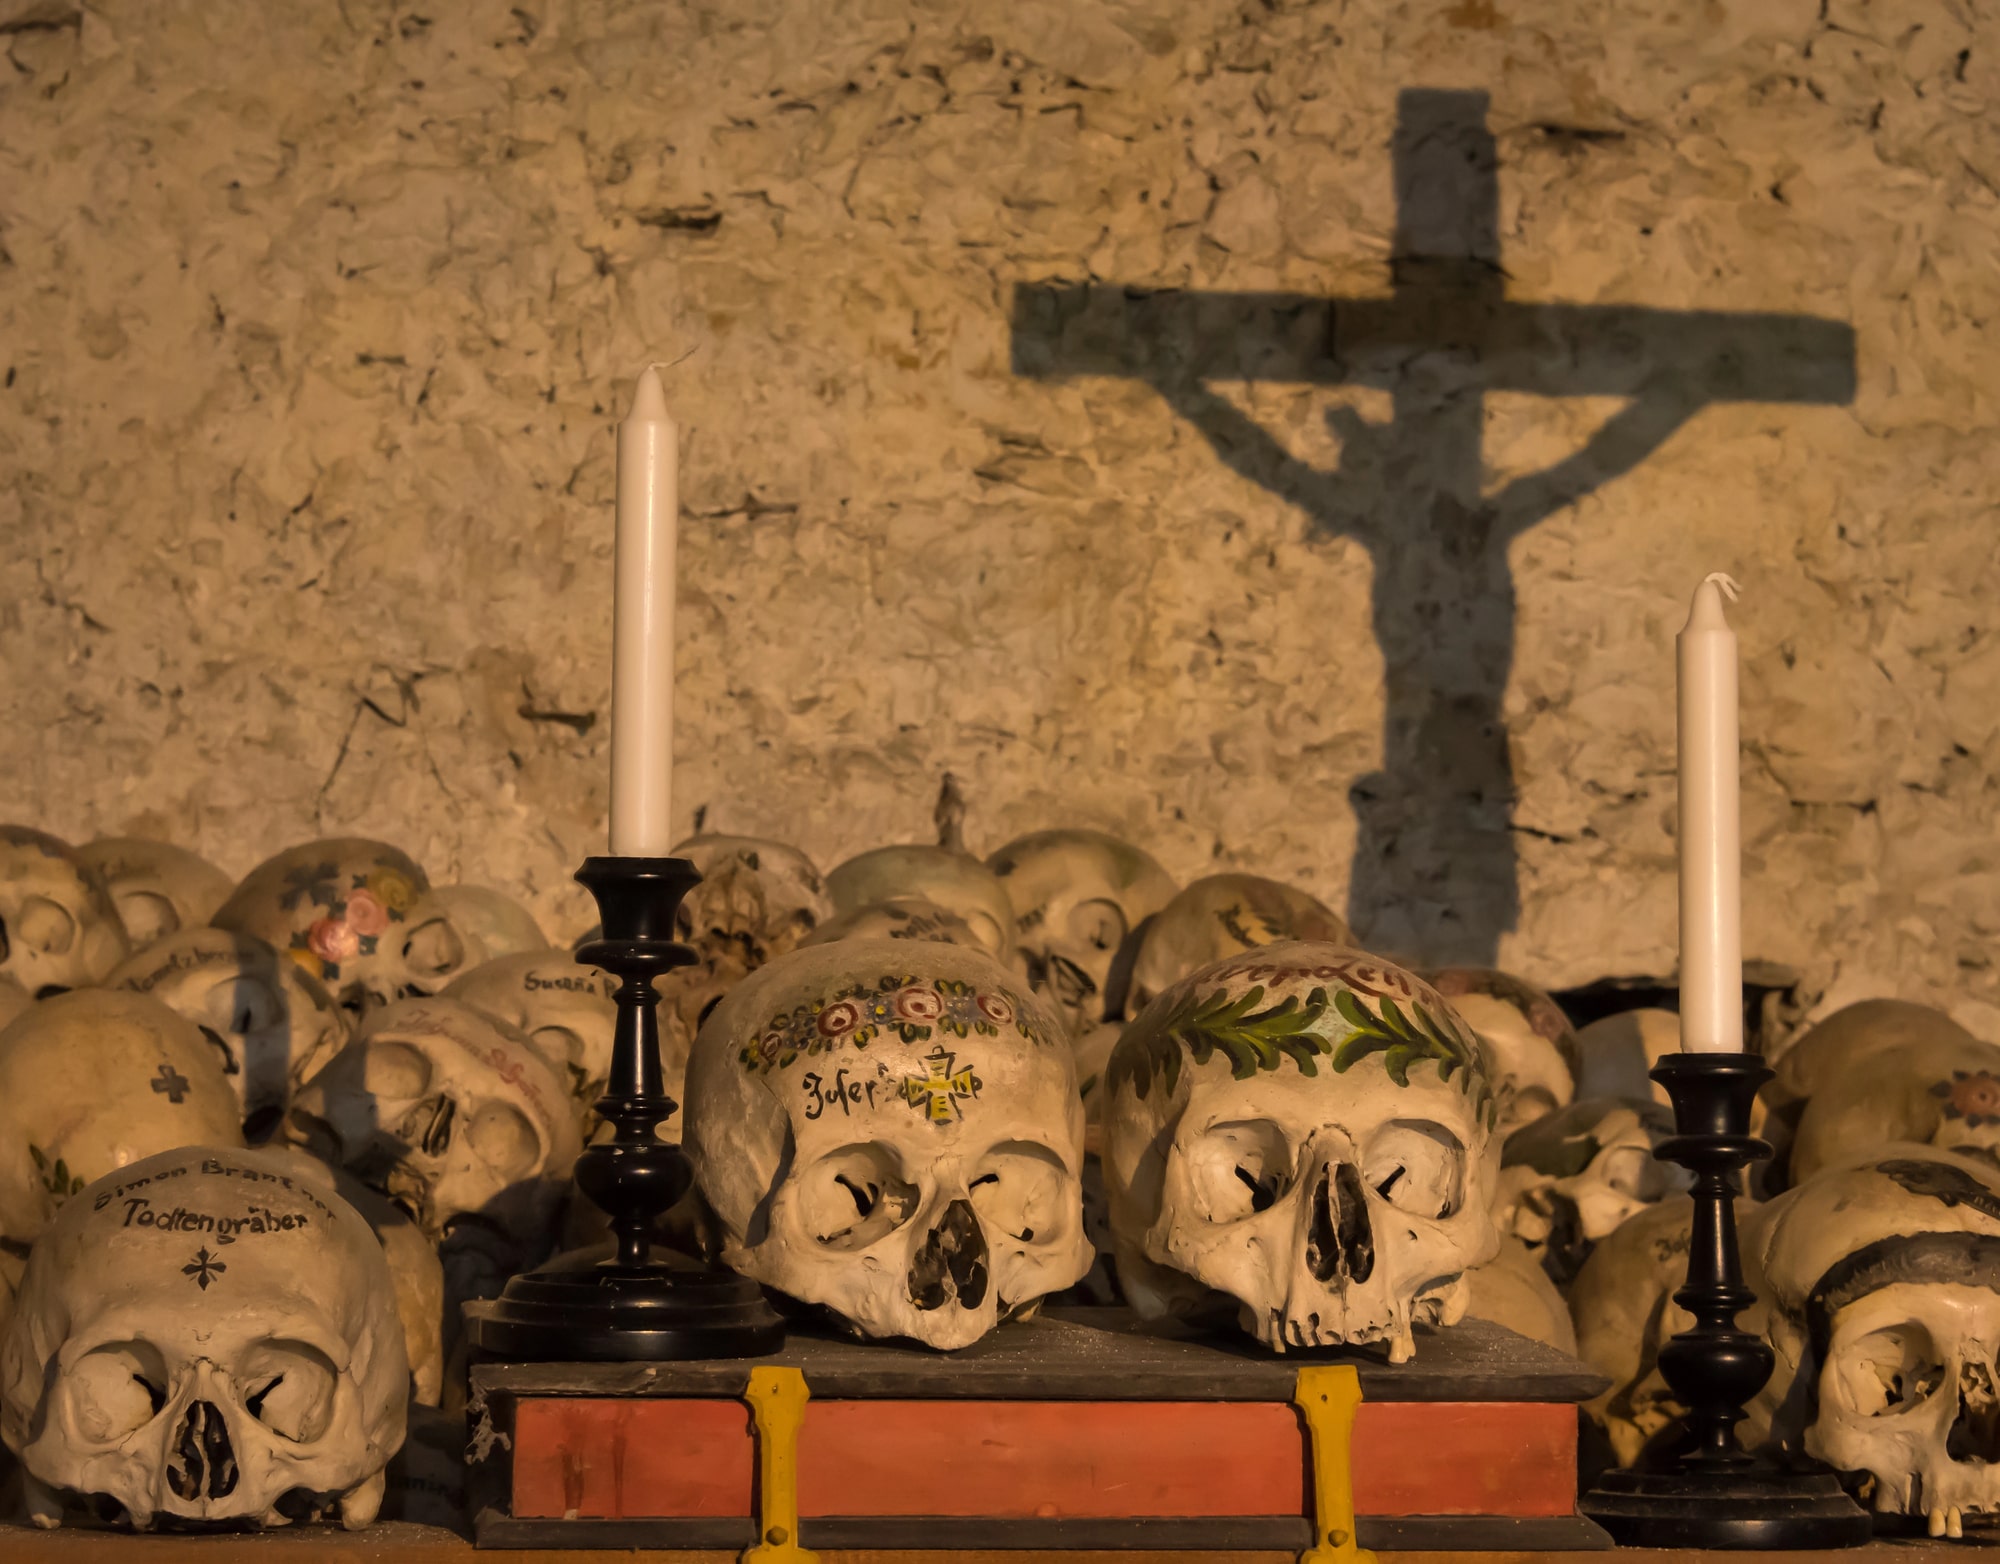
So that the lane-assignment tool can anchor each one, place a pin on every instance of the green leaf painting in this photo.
(1254, 1037)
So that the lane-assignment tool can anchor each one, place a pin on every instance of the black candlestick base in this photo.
(1695, 1486)
(626, 1302)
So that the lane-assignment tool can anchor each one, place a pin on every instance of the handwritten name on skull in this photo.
(213, 1167)
(535, 983)
(139, 1212)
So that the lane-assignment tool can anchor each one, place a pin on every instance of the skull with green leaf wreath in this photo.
(1300, 1138)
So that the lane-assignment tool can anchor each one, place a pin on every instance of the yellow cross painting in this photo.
(938, 1093)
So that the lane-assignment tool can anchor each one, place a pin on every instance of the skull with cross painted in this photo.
(891, 1130)
(1299, 1138)
(1218, 916)
(1079, 898)
(458, 1119)
(205, 1338)
(757, 899)
(1882, 1283)
(93, 1080)
(158, 888)
(58, 926)
(347, 911)
(272, 1023)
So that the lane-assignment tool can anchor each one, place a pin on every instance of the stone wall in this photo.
(1019, 442)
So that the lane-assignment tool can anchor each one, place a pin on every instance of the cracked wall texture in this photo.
(313, 318)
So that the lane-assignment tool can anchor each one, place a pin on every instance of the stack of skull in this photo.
(259, 1141)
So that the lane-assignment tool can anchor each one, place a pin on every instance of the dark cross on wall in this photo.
(1435, 822)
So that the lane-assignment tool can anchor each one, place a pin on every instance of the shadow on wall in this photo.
(1435, 822)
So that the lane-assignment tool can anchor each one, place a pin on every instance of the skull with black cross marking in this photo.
(205, 1338)
(1300, 1138)
(1882, 1280)
(891, 1129)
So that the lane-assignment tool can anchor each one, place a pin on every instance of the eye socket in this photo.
(395, 1071)
(289, 1388)
(1240, 1168)
(855, 1197)
(559, 1045)
(45, 926)
(147, 916)
(1099, 923)
(116, 1389)
(504, 1140)
(1888, 1371)
(433, 951)
(1418, 1167)
(1023, 1191)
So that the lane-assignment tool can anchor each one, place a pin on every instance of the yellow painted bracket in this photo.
(1327, 1396)
(777, 1399)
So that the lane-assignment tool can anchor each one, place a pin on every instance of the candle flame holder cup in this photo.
(1695, 1486)
(634, 1303)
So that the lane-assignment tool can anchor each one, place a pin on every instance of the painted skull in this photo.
(1573, 1177)
(159, 889)
(1220, 916)
(757, 899)
(342, 909)
(490, 923)
(567, 1011)
(1934, 1090)
(955, 881)
(58, 926)
(1079, 897)
(1528, 1040)
(272, 1024)
(1300, 1138)
(93, 1081)
(1883, 1281)
(891, 1130)
(457, 1118)
(205, 1338)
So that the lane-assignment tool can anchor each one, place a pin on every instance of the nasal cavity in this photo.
(202, 1465)
(1975, 1432)
(1340, 1245)
(951, 1265)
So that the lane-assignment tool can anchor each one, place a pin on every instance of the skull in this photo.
(957, 882)
(891, 1129)
(756, 900)
(93, 1081)
(458, 1119)
(1529, 1041)
(1300, 1136)
(1883, 1278)
(58, 927)
(1835, 1048)
(1615, 1056)
(489, 923)
(158, 889)
(901, 917)
(567, 1011)
(345, 910)
(1513, 1290)
(1938, 1090)
(272, 1024)
(1079, 897)
(1220, 916)
(205, 1337)
(1622, 1303)
(1574, 1176)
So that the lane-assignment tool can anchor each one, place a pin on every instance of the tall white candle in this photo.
(642, 626)
(1710, 836)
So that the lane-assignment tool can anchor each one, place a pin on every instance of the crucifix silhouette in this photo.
(1434, 859)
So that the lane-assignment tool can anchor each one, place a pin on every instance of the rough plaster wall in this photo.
(313, 317)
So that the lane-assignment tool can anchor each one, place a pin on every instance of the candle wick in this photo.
(1725, 583)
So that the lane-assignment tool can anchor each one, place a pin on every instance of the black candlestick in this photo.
(633, 1303)
(1695, 1486)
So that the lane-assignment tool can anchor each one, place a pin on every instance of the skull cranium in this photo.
(58, 926)
(891, 1129)
(1218, 916)
(1300, 1137)
(159, 889)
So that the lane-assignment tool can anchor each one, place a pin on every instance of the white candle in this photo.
(1710, 837)
(642, 626)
